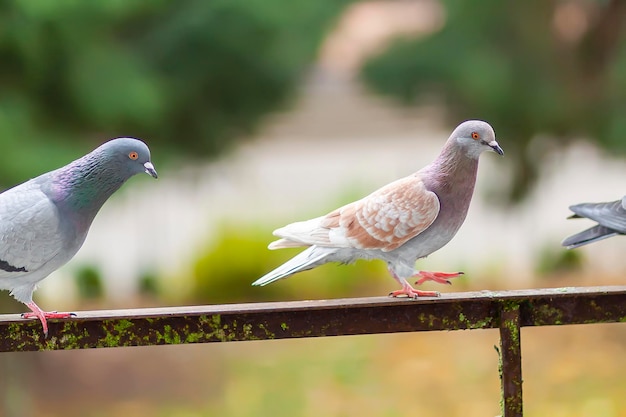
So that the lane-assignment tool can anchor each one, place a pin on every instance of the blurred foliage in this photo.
(89, 283)
(191, 76)
(555, 68)
(553, 260)
(239, 256)
(149, 285)
(9, 305)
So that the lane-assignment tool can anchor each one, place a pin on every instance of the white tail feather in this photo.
(284, 243)
(307, 232)
(306, 259)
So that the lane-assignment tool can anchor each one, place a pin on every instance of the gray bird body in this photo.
(400, 223)
(611, 219)
(44, 221)
(35, 238)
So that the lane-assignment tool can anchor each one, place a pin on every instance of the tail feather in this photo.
(590, 235)
(306, 259)
(284, 243)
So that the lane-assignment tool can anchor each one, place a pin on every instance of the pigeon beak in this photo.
(150, 169)
(496, 148)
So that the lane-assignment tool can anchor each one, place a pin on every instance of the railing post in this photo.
(511, 359)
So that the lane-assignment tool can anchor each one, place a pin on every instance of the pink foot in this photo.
(43, 315)
(440, 277)
(411, 292)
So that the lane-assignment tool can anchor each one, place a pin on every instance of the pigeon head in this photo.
(475, 136)
(85, 184)
(127, 156)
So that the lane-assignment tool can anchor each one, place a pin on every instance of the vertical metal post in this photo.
(511, 359)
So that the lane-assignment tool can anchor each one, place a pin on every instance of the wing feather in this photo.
(611, 214)
(29, 230)
(384, 220)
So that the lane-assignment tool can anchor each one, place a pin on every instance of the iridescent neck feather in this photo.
(85, 184)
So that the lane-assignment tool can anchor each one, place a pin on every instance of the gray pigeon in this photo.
(611, 219)
(44, 221)
(401, 222)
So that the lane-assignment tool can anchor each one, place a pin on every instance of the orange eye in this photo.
(475, 135)
(133, 155)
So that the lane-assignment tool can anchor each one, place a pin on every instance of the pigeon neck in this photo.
(452, 174)
(454, 161)
(85, 184)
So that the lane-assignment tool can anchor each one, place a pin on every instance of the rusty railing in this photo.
(506, 310)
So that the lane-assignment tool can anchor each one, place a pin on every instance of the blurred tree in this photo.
(89, 283)
(239, 255)
(192, 76)
(149, 285)
(550, 67)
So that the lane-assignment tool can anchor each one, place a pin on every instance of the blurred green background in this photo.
(259, 113)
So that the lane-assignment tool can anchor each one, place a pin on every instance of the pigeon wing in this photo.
(611, 215)
(29, 230)
(384, 220)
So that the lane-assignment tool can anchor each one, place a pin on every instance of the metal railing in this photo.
(506, 310)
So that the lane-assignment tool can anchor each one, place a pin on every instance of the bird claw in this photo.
(440, 277)
(427, 294)
(44, 315)
(49, 315)
(413, 293)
